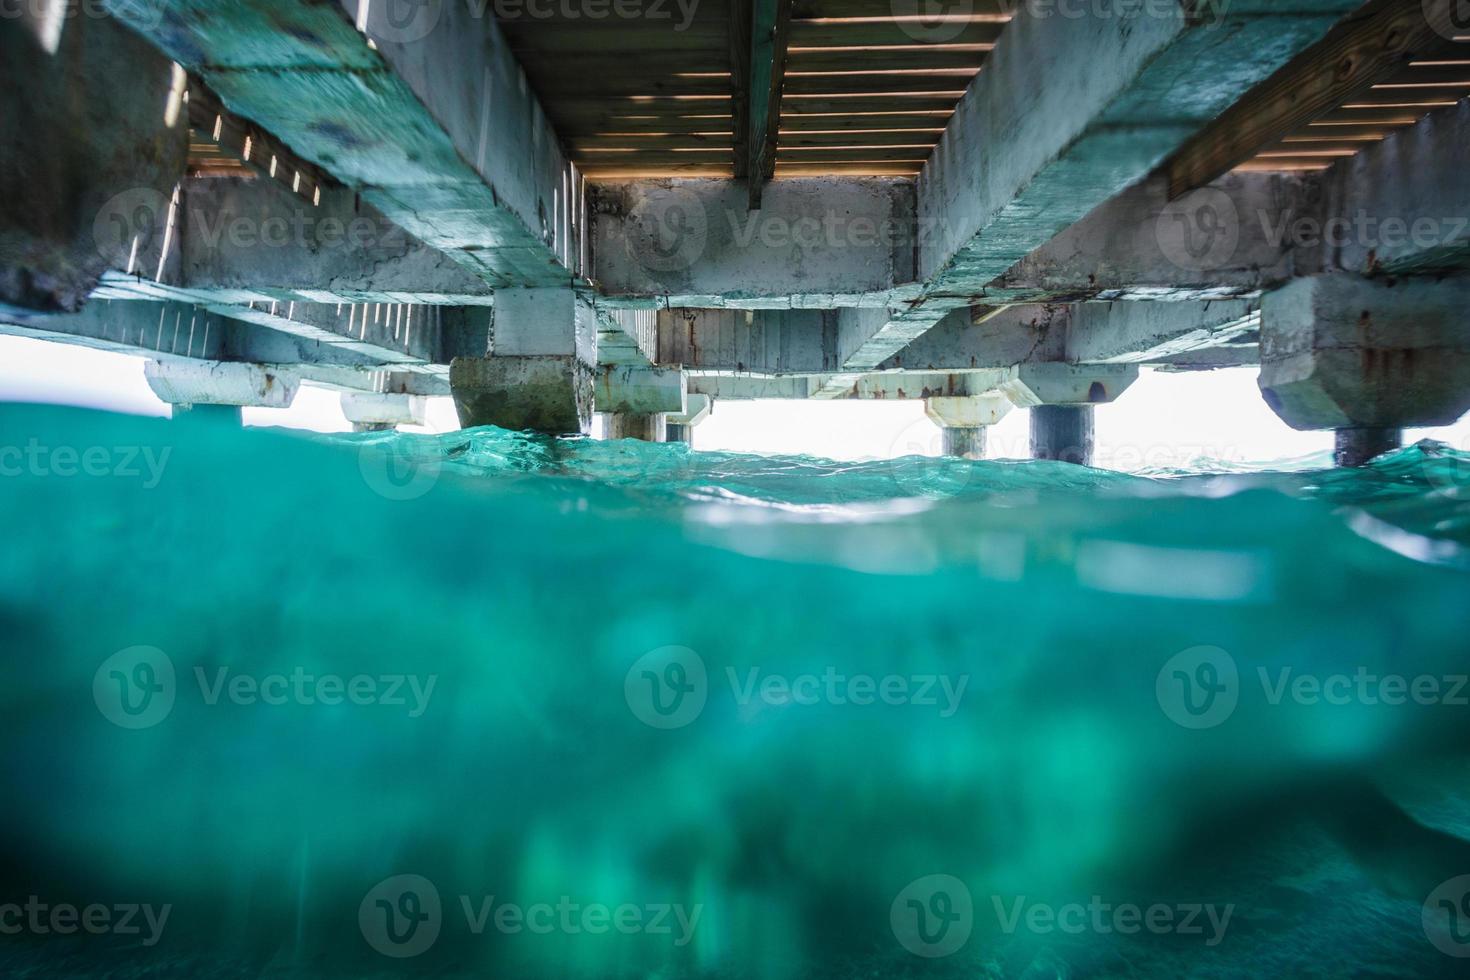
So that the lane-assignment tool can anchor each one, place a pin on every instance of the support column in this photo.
(1366, 358)
(1061, 398)
(539, 373)
(1063, 433)
(1359, 447)
(622, 425)
(963, 421)
(680, 428)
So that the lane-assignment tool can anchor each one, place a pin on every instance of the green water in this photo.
(625, 710)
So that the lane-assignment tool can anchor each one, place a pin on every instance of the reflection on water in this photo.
(481, 704)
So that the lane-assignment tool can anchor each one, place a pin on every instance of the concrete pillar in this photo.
(680, 428)
(1366, 358)
(539, 373)
(963, 421)
(1359, 447)
(622, 425)
(209, 414)
(964, 443)
(1063, 433)
(1061, 398)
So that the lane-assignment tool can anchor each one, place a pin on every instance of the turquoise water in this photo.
(486, 705)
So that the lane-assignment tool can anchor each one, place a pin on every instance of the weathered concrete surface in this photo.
(219, 383)
(680, 427)
(1069, 112)
(815, 242)
(648, 427)
(433, 124)
(1230, 239)
(1401, 206)
(539, 372)
(1054, 383)
(1136, 333)
(626, 338)
(1343, 352)
(962, 443)
(1010, 337)
(1063, 433)
(545, 393)
(254, 236)
(639, 391)
(387, 410)
(90, 163)
(766, 342)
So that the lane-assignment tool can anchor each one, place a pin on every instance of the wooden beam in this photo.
(1368, 48)
(769, 31)
(740, 21)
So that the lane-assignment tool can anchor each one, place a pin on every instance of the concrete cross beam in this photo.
(95, 141)
(626, 338)
(430, 119)
(680, 426)
(374, 411)
(1401, 206)
(254, 236)
(219, 383)
(1343, 352)
(814, 243)
(765, 342)
(639, 391)
(1068, 384)
(963, 421)
(1068, 113)
(1136, 333)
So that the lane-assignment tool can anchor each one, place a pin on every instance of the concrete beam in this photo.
(219, 383)
(373, 410)
(255, 237)
(639, 391)
(765, 342)
(1401, 206)
(432, 122)
(1068, 384)
(1343, 352)
(1068, 113)
(95, 141)
(814, 243)
(1004, 339)
(1136, 333)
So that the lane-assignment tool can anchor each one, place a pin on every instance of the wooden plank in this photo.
(625, 171)
(987, 10)
(868, 154)
(883, 33)
(845, 137)
(799, 104)
(1368, 48)
(947, 85)
(785, 169)
(678, 143)
(798, 122)
(883, 59)
(740, 54)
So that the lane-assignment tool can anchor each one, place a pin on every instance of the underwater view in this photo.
(491, 704)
